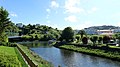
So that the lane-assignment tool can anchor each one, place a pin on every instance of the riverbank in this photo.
(113, 55)
(35, 58)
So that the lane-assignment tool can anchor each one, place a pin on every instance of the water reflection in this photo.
(66, 58)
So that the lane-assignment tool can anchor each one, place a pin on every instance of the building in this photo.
(19, 25)
(105, 32)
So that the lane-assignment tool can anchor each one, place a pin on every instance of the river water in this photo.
(66, 58)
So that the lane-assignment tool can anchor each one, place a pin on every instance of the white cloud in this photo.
(48, 10)
(54, 4)
(92, 10)
(13, 14)
(71, 6)
(71, 18)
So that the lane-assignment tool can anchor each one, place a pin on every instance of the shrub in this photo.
(8, 44)
(85, 40)
(100, 40)
(106, 40)
(94, 39)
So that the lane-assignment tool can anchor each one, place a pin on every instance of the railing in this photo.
(29, 61)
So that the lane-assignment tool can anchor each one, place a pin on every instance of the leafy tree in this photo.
(36, 37)
(68, 34)
(4, 23)
(118, 37)
(106, 40)
(85, 40)
(100, 40)
(78, 38)
(94, 39)
(81, 32)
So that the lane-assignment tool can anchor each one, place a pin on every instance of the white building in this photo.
(105, 32)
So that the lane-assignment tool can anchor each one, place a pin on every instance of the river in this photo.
(66, 58)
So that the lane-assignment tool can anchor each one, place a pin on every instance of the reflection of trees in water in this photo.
(68, 57)
(34, 44)
(66, 53)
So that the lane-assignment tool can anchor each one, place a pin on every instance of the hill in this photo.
(104, 27)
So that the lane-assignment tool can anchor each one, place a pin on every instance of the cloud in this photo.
(71, 6)
(48, 10)
(71, 18)
(13, 14)
(92, 10)
(54, 4)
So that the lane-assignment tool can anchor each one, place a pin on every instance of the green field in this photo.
(10, 57)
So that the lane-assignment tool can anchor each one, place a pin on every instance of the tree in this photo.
(118, 37)
(81, 32)
(85, 40)
(4, 23)
(94, 39)
(106, 40)
(100, 40)
(78, 38)
(67, 34)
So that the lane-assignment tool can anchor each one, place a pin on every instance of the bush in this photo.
(100, 40)
(94, 39)
(78, 38)
(106, 40)
(85, 40)
(8, 44)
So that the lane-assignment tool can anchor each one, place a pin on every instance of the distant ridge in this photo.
(104, 27)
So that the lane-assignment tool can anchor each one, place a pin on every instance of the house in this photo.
(105, 32)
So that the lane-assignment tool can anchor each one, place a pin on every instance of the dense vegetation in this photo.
(39, 32)
(115, 55)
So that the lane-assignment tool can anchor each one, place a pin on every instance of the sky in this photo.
(60, 14)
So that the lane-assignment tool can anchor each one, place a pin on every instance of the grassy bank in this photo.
(35, 58)
(20, 58)
(95, 52)
(9, 57)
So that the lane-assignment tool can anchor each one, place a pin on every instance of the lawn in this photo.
(9, 57)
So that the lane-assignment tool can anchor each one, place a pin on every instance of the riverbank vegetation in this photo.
(35, 58)
(105, 52)
(106, 46)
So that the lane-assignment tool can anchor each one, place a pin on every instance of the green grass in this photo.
(8, 57)
(20, 58)
(95, 52)
(115, 47)
(35, 58)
